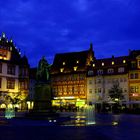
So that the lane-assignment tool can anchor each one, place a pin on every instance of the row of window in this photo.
(11, 69)
(134, 89)
(100, 90)
(69, 78)
(134, 76)
(11, 84)
(109, 71)
(99, 81)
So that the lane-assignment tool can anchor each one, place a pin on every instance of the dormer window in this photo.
(100, 72)
(110, 71)
(103, 64)
(124, 61)
(121, 69)
(77, 62)
(75, 68)
(112, 62)
(64, 63)
(61, 69)
(93, 65)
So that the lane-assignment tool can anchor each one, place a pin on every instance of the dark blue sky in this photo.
(46, 27)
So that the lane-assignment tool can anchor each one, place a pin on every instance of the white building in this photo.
(14, 77)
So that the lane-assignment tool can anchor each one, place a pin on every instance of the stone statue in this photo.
(43, 70)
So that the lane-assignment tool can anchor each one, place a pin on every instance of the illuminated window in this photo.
(112, 62)
(75, 68)
(103, 64)
(10, 83)
(93, 65)
(77, 61)
(124, 61)
(134, 89)
(11, 69)
(64, 63)
(61, 69)
(11, 40)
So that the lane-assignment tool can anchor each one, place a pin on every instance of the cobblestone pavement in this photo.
(128, 128)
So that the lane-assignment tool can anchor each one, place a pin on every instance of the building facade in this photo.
(103, 74)
(68, 78)
(134, 78)
(14, 75)
(79, 78)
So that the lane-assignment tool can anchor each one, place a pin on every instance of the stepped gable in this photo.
(8, 50)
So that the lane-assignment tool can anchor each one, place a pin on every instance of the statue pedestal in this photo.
(42, 103)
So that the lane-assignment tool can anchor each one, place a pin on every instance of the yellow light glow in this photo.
(112, 62)
(124, 61)
(75, 68)
(103, 64)
(61, 69)
(64, 63)
(3, 106)
(93, 65)
(114, 123)
(77, 61)
(10, 106)
(116, 99)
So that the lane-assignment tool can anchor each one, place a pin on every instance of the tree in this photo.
(12, 98)
(116, 92)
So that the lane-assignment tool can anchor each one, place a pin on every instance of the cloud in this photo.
(41, 27)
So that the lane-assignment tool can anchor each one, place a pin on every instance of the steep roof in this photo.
(118, 61)
(8, 45)
(70, 60)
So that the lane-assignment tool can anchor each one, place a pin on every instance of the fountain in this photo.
(90, 114)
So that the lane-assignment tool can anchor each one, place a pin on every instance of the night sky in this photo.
(46, 27)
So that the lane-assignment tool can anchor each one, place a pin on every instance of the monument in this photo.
(42, 98)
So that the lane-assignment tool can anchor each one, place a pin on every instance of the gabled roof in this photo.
(70, 60)
(118, 61)
(134, 53)
(8, 45)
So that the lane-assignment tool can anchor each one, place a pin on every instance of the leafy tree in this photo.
(13, 98)
(116, 92)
